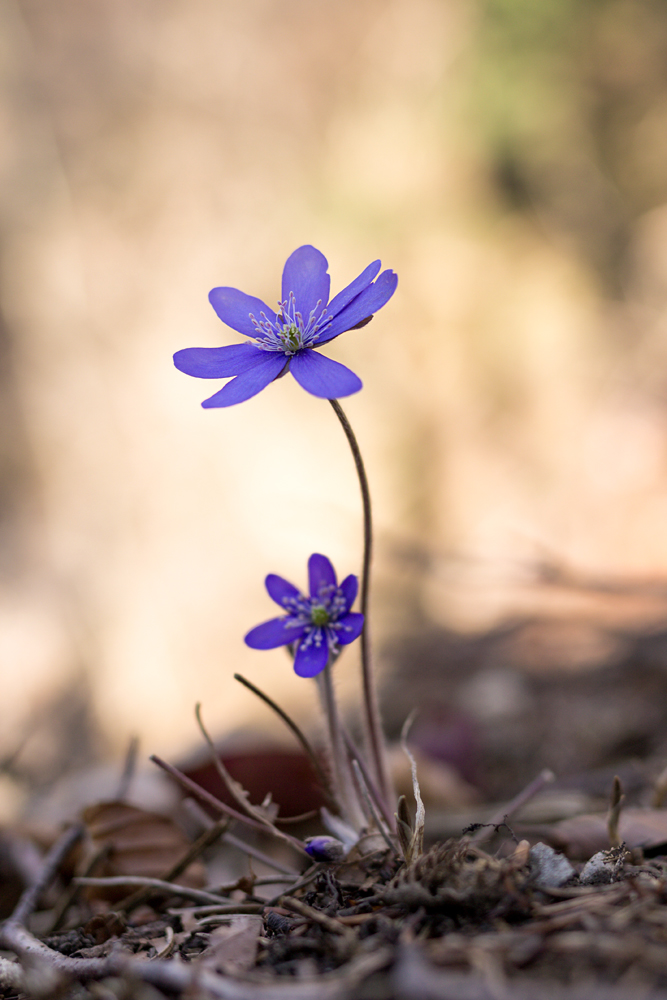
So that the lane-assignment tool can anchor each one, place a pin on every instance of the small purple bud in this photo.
(328, 849)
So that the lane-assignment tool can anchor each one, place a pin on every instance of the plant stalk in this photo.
(373, 724)
(343, 784)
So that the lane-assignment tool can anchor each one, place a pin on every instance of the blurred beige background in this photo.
(507, 158)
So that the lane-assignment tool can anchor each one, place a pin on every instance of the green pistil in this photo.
(319, 615)
(291, 338)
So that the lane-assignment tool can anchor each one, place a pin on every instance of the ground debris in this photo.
(456, 922)
(463, 881)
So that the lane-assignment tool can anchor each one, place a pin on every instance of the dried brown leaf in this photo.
(138, 842)
(583, 836)
(233, 947)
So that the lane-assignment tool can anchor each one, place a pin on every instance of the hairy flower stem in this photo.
(342, 776)
(373, 724)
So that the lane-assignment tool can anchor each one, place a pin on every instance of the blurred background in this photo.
(508, 159)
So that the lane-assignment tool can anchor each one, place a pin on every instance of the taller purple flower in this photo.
(283, 341)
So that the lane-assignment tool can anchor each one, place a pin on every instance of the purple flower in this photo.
(318, 624)
(284, 341)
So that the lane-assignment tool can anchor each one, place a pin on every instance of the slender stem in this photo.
(325, 689)
(343, 780)
(323, 779)
(373, 724)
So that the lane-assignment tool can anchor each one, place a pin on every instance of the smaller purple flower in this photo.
(317, 625)
(285, 340)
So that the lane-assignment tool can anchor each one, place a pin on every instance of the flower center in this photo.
(319, 615)
(292, 338)
(289, 332)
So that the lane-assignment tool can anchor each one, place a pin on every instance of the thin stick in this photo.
(30, 897)
(205, 796)
(312, 756)
(33, 952)
(371, 807)
(316, 916)
(205, 820)
(371, 706)
(483, 833)
(205, 840)
(615, 806)
(370, 784)
(226, 887)
(308, 877)
(71, 892)
(238, 792)
(222, 908)
(129, 769)
(301, 818)
(254, 852)
(196, 895)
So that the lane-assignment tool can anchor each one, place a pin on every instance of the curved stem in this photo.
(371, 707)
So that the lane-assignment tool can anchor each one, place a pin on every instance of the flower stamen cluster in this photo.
(288, 333)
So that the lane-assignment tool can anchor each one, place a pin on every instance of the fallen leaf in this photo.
(582, 836)
(137, 842)
(233, 947)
